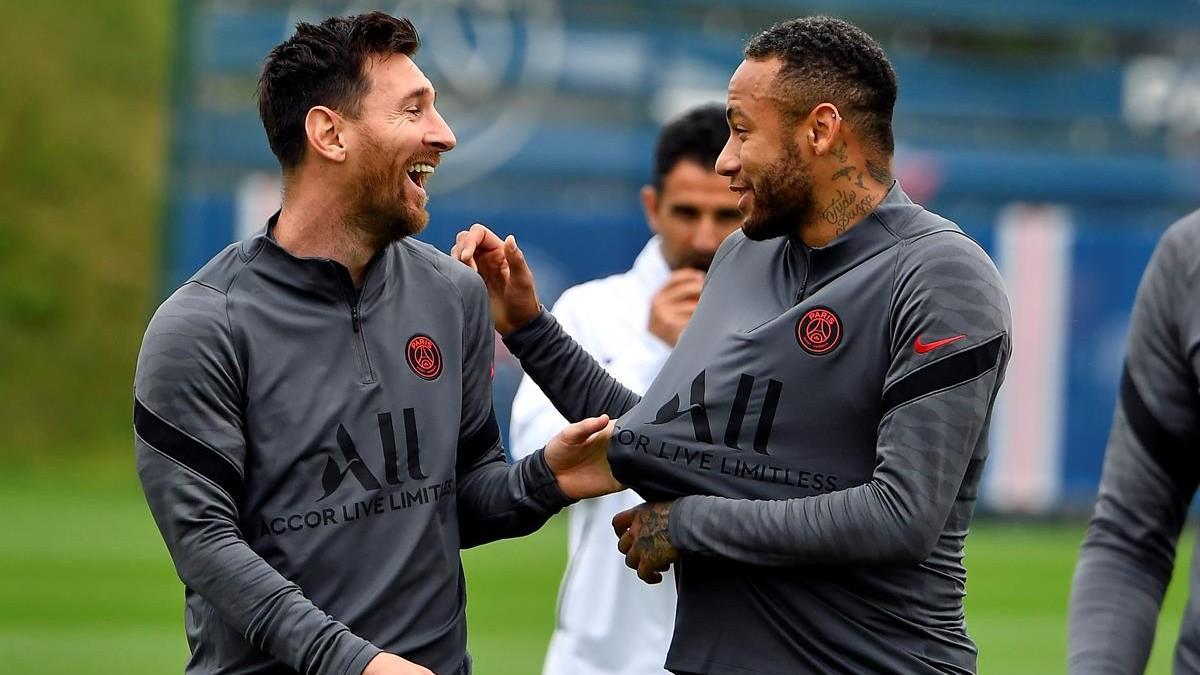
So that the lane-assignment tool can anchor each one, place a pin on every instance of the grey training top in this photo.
(833, 404)
(315, 457)
(1151, 469)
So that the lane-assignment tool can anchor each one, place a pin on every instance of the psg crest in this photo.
(819, 331)
(424, 357)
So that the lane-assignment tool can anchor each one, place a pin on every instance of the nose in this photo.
(440, 136)
(708, 236)
(728, 163)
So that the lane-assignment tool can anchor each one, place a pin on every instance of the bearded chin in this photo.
(387, 217)
(763, 226)
(775, 216)
(409, 221)
(783, 201)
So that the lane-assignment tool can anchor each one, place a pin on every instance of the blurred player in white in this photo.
(609, 622)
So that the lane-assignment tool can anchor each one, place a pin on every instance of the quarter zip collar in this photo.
(319, 276)
(872, 235)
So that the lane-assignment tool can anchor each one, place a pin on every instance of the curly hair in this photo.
(697, 135)
(324, 64)
(829, 60)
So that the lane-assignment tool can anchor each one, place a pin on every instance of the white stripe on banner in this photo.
(1024, 471)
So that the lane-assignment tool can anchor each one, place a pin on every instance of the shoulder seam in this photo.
(729, 251)
(462, 299)
(229, 318)
(228, 325)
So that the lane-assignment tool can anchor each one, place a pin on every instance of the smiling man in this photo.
(313, 417)
(811, 450)
(608, 622)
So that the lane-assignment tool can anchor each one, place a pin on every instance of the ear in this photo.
(650, 206)
(823, 128)
(324, 128)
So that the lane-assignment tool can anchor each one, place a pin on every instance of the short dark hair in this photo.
(324, 64)
(829, 60)
(697, 135)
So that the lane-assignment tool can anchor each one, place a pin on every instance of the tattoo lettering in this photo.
(846, 209)
(841, 153)
(843, 172)
(879, 173)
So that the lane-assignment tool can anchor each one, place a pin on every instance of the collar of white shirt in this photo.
(650, 269)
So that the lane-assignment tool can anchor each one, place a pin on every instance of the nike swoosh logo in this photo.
(926, 347)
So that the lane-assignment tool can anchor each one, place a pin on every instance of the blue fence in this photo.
(1087, 106)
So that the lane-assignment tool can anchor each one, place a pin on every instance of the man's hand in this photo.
(578, 457)
(390, 664)
(505, 273)
(645, 541)
(673, 305)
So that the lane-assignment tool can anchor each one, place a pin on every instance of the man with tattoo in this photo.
(609, 623)
(811, 451)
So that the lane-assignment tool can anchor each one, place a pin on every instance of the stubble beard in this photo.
(783, 198)
(382, 212)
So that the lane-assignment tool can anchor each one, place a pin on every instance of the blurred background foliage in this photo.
(85, 582)
(83, 140)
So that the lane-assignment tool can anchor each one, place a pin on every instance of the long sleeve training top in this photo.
(315, 456)
(822, 425)
(1151, 469)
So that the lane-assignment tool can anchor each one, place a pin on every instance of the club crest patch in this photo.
(424, 357)
(819, 331)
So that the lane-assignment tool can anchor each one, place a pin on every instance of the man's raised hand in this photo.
(578, 457)
(505, 273)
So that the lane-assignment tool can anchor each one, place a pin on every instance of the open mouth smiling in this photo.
(419, 173)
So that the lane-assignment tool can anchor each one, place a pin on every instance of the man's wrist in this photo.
(529, 332)
(542, 483)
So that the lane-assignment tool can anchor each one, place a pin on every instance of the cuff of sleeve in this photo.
(541, 485)
(686, 515)
(520, 340)
(366, 652)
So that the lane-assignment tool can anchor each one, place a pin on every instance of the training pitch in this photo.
(86, 586)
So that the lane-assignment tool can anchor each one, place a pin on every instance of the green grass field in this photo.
(85, 586)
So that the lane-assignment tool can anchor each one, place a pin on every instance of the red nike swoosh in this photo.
(926, 347)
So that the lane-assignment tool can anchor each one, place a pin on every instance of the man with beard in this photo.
(608, 622)
(313, 418)
(811, 451)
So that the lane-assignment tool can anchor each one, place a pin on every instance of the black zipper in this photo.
(353, 299)
(804, 283)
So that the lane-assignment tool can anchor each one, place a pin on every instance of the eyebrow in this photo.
(419, 92)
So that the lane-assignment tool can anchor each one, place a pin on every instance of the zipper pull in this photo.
(355, 322)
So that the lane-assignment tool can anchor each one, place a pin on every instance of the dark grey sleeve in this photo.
(936, 411)
(495, 500)
(577, 386)
(190, 457)
(1150, 470)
